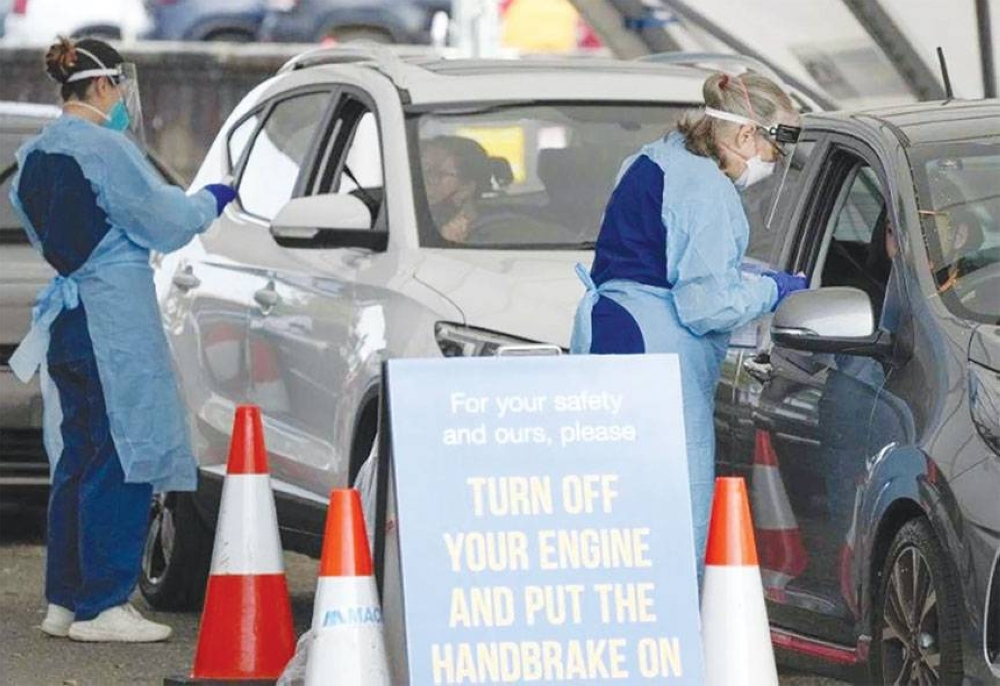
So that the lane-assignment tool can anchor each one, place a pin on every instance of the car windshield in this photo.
(524, 176)
(959, 203)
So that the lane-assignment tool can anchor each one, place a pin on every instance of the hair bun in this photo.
(60, 59)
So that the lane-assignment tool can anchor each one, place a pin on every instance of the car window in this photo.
(859, 237)
(776, 195)
(525, 175)
(960, 214)
(352, 164)
(240, 136)
(861, 210)
(278, 152)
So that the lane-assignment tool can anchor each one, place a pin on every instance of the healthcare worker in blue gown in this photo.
(114, 428)
(666, 276)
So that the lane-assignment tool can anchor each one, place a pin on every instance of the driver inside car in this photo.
(456, 173)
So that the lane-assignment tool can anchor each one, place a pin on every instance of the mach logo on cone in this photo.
(735, 632)
(782, 554)
(348, 648)
(246, 627)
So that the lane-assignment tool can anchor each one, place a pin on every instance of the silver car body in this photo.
(303, 332)
(22, 274)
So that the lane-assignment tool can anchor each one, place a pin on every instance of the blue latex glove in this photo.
(223, 195)
(787, 284)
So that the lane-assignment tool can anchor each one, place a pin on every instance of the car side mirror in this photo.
(830, 320)
(327, 221)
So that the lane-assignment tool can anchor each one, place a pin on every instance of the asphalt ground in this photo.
(30, 658)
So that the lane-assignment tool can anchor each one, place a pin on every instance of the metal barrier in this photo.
(188, 89)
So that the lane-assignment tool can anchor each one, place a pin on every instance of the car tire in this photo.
(177, 554)
(229, 36)
(917, 631)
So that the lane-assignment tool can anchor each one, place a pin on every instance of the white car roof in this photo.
(30, 110)
(429, 80)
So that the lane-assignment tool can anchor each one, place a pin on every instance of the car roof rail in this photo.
(384, 59)
(697, 59)
(807, 97)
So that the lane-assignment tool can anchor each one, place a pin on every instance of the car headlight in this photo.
(984, 402)
(457, 340)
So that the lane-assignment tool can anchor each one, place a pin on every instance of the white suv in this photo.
(334, 259)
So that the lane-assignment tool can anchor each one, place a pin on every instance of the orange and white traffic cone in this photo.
(348, 646)
(735, 632)
(246, 631)
(779, 541)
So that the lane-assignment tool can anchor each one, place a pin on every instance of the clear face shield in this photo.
(783, 138)
(128, 85)
(125, 78)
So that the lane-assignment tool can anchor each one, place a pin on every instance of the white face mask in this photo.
(756, 170)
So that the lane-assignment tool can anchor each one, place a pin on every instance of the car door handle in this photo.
(186, 280)
(267, 297)
(759, 367)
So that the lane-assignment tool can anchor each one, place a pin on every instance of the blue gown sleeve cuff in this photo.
(206, 207)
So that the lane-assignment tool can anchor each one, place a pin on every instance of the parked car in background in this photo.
(24, 467)
(236, 21)
(344, 21)
(38, 22)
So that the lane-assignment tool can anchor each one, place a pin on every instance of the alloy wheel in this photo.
(911, 651)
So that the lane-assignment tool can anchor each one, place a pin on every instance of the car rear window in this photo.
(525, 176)
(960, 214)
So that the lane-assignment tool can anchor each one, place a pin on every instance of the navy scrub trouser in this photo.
(97, 522)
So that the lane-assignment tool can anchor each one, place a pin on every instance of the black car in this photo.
(342, 21)
(866, 414)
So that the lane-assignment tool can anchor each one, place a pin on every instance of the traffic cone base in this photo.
(263, 600)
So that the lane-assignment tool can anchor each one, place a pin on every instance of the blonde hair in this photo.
(721, 91)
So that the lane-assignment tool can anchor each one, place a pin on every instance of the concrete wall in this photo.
(188, 89)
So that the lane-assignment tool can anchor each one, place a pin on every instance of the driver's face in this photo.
(441, 178)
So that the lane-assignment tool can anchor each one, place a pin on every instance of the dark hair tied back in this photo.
(66, 57)
(60, 60)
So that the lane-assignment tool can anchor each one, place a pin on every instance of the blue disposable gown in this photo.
(667, 279)
(115, 284)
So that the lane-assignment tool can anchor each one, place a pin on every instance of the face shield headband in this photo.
(780, 133)
(125, 78)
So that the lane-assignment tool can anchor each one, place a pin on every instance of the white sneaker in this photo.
(122, 624)
(57, 621)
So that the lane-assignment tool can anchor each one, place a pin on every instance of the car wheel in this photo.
(177, 554)
(358, 34)
(917, 637)
(229, 36)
